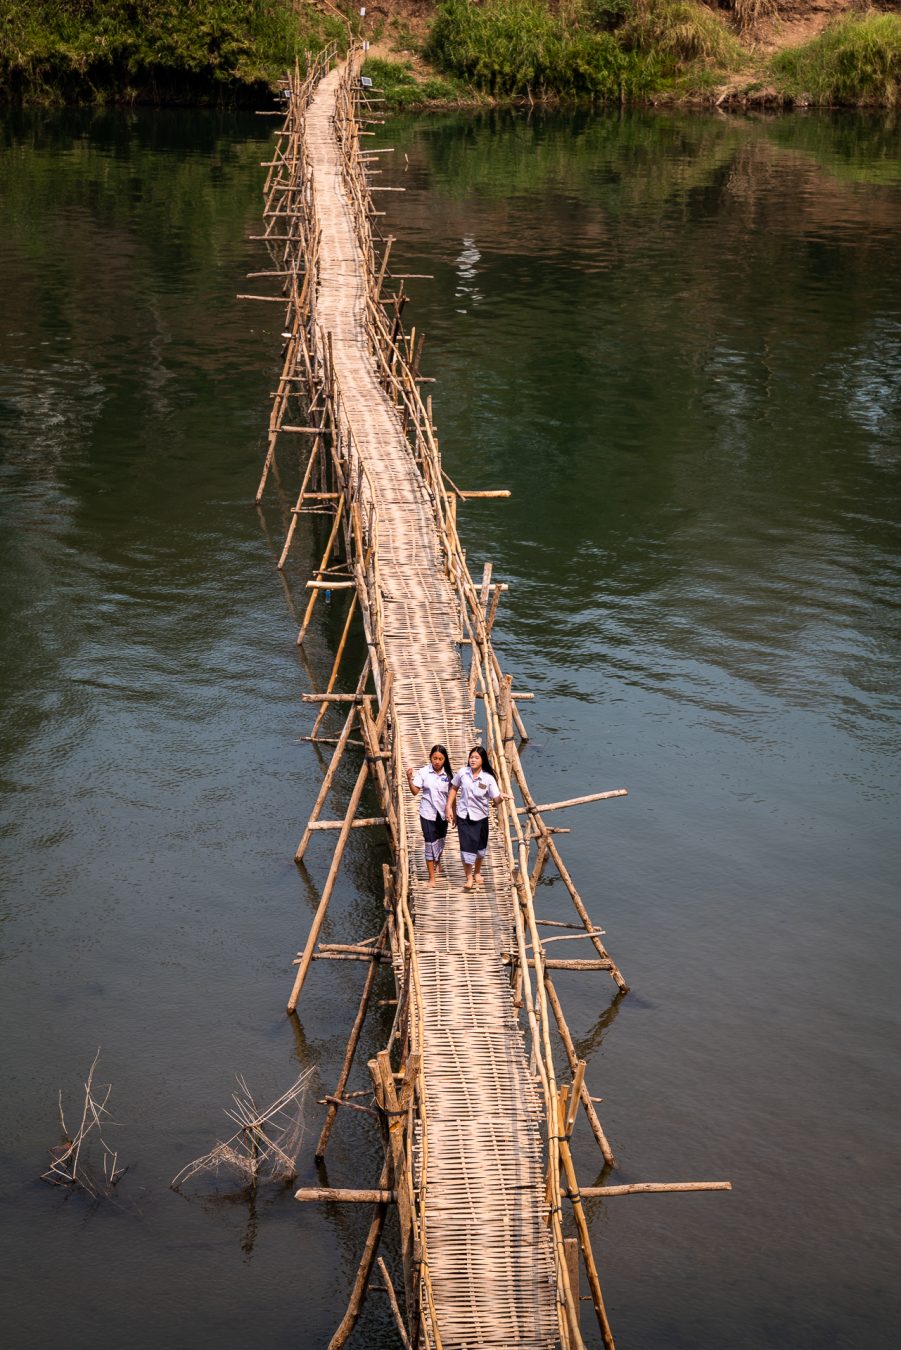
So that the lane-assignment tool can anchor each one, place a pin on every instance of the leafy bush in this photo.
(853, 62)
(606, 15)
(95, 48)
(680, 31)
(525, 48)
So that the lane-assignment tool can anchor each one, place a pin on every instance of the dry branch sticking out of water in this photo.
(73, 1162)
(265, 1145)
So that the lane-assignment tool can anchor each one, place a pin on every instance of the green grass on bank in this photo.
(853, 63)
(599, 49)
(154, 50)
(399, 85)
(640, 50)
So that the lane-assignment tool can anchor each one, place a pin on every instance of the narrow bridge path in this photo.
(489, 1250)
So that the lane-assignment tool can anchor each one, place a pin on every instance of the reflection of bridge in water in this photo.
(475, 1120)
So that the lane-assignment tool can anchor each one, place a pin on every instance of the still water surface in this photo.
(678, 342)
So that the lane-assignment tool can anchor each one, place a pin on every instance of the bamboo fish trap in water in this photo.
(475, 1118)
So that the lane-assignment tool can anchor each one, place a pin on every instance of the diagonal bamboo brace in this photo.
(332, 768)
(343, 837)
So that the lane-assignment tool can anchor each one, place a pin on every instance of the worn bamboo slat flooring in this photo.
(489, 1250)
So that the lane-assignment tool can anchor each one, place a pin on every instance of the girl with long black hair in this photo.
(472, 791)
(431, 784)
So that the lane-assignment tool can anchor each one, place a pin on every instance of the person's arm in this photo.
(494, 791)
(412, 784)
(450, 811)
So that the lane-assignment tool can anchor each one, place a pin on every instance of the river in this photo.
(677, 340)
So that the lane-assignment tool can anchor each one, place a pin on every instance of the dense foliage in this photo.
(147, 49)
(854, 62)
(578, 50)
(606, 49)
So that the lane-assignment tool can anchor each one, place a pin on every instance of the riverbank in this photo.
(826, 53)
(782, 53)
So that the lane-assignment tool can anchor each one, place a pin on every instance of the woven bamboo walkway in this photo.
(490, 1255)
(474, 1117)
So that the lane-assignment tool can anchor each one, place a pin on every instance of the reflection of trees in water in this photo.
(686, 328)
(115, 227)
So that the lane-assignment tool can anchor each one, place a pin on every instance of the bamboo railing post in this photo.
(507, 715)
(571, 1245)
(520, 725)
(394, 1109)
(378, 768)
(540, 860)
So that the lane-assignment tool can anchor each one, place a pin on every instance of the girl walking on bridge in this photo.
(472, 791)
(431, 784)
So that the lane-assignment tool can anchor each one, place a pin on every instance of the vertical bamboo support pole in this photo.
(395, 1309)
(326, 783)
(571, 1247)
(591, 1269)
(507, 709)
(377, 289)
(450, 530)
(323, 707)
(267, 463)
(350, 1052)
(492, 611)
(314, 595)
(361, 1283)
(299, 505)
(520, 726)
(383, 1083)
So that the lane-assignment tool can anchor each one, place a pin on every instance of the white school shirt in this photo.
(475, 792)
(434, 788)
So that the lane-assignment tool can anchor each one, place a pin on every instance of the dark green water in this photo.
(678, 342)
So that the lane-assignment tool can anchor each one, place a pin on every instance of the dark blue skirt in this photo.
(473, 834)
(433, 830)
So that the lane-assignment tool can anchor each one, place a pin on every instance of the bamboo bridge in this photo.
(475, 1117)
